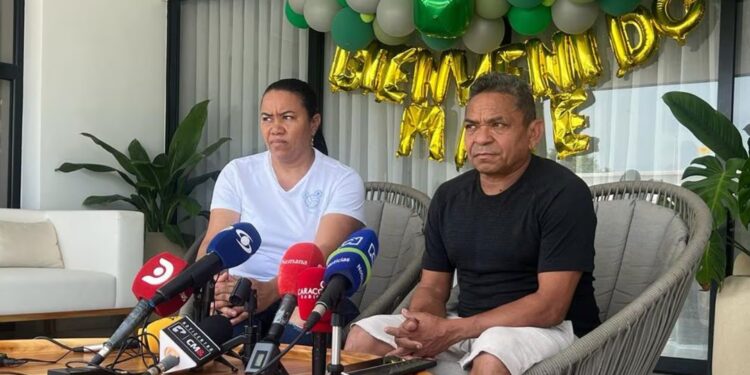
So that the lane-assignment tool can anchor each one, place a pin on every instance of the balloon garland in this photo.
(560, 70)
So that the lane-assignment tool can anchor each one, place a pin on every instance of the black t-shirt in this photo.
(498, 244)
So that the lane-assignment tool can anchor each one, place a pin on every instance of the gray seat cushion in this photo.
(401, 241)
(635, 243)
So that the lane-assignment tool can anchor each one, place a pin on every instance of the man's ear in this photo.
(535, 132)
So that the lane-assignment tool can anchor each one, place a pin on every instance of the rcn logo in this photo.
(160, 274)
(244, 241)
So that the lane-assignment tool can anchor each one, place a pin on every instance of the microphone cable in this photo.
(283, 352)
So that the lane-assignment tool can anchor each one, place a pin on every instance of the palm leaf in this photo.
(716, 186)
(187, 136)
(106, 199)
(173, 234)
(743, 195)
(710, 126)
(72, 167)
(137, 152)
(194, 182)
(121, 158)
(713, 263)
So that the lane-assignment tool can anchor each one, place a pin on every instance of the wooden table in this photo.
(297, 361)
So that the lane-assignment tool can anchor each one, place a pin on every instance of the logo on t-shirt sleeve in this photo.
(312, 200)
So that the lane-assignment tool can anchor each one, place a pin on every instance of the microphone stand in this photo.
(335, 367)
(320, 347)
(252, 330)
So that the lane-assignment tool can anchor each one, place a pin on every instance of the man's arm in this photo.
(432, 293)
(333, 230)
(546, 307)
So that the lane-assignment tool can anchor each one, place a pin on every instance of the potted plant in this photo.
(721, 180)
(162, 185)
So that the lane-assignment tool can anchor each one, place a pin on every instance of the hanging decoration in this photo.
(369, 32)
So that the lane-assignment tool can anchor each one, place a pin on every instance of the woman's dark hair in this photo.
(302, 89)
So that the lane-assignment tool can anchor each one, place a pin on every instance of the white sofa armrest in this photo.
(103, 241)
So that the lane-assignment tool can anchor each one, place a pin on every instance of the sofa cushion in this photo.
(29, 245)
(43, 290)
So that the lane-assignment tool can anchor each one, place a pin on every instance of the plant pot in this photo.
(157, 242)
(731, 328)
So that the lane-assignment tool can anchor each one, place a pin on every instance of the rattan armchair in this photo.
(632, 337)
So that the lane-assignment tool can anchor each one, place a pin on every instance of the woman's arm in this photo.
(333, 230)
(220, 219)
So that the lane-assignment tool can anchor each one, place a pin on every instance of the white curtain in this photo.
(232, 49)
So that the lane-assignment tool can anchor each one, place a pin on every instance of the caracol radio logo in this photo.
(160, 274)
(244, 240)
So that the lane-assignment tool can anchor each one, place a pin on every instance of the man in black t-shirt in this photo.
(519, 232)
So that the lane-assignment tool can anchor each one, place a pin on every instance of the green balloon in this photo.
(350, 32)
(525, 3)
(618, 7)
(443, 18)
(343, 3)
(296, 19)
(438, 44)
(530, 21)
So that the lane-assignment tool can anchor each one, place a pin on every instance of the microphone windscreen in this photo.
(156, 272)
(354, 259)
(296, 259)
(152, 332)
(217, 327)
(235, 244)
(309, 286)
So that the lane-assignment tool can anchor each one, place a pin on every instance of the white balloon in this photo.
(396, 17)
(384, 38)
(573, 17)
(319, 14)
(298, 6)
(491, 9)
(363, 6)
(484, 35)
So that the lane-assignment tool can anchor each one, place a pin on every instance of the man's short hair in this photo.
(505, 83)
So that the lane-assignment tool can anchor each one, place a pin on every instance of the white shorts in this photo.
(518, 348)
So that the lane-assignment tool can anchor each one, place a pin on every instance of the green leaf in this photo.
(716, 186)
(189, 204)
(215, 146)
(743, 195)
(72, 167)
(188, 135)
(173, 234)
(194, 182)
(711, 127)
(121, 158)
(712, 265)
(137, 152)
(105, 199)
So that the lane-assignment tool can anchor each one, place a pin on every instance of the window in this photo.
(11, 38)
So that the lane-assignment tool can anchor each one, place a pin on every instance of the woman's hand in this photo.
(267, 293)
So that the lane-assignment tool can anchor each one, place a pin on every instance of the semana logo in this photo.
(244, 241)
(160, 274)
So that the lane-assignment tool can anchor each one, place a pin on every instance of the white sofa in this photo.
(101, 250)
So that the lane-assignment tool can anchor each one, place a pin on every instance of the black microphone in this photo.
(241, 292)
(348, 268)
(230, 247)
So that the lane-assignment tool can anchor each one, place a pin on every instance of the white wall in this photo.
(95, 66)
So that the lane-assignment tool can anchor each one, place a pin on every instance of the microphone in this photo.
(296, 259)
(348, 268)
(309, 287)
(164, 365)
(241, 292)
(152, 332)
(193, 345)
(230, 247)
(158, 271)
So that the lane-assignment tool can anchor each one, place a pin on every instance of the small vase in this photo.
(157, 242)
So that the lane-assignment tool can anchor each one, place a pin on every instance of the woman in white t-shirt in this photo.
(290, 193)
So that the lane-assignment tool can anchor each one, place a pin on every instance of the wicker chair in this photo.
(640, 302)
(633, 335)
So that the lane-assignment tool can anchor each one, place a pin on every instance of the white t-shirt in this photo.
(248, 185)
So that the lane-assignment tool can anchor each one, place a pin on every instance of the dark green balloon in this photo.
(343, 3)
(443, 18)
(350, 32)
(530, 21)
(525, 3)
(296, 19)
(618, 7)
(438, 44)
